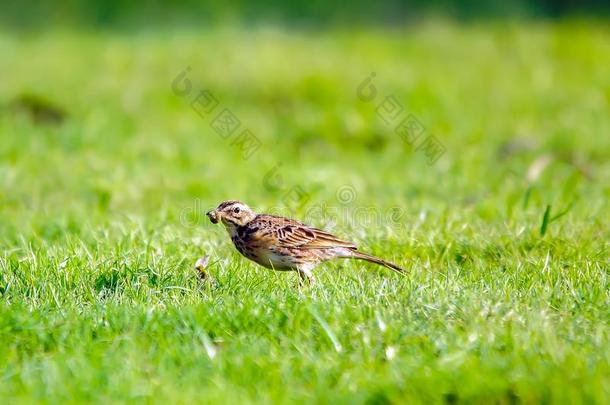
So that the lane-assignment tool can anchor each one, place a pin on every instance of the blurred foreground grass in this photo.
(105, 173)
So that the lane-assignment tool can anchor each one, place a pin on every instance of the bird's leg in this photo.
(306, 276)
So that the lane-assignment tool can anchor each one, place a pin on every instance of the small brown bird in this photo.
(284, 244)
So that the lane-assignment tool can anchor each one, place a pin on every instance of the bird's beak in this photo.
(213, 216)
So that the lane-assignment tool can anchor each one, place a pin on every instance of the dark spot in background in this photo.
(451, 398)
(39, 109)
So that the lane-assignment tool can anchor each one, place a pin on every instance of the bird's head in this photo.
(232, 214)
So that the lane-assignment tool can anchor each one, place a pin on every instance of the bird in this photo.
(285, 244)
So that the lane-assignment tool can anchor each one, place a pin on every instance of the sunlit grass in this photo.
(101, 216)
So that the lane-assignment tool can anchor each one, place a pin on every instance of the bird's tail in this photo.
(373, 259)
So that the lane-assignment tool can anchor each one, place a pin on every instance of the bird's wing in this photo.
(290, 233)
(309, 238)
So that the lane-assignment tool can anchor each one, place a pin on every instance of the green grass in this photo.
(101, 216)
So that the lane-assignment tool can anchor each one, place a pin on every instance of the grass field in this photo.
(106, 170)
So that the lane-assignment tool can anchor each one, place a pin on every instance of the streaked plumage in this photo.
(281, 243)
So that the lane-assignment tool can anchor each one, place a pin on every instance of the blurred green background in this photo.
(154, 14)
(107, 166)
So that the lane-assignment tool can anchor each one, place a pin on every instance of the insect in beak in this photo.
(213, 216)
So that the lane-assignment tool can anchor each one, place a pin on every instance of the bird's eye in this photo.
(236, 210)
